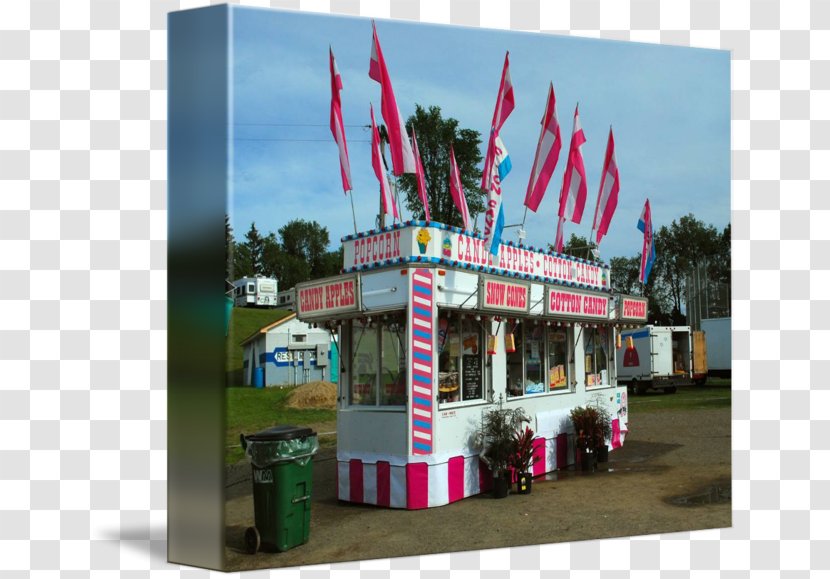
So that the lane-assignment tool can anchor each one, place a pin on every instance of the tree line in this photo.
(297, 252)
(681, 246)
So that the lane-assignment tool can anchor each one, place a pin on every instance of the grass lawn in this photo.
(253, 409)
(244, 322)
(717, 393)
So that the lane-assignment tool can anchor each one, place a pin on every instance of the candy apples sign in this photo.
(326, 297)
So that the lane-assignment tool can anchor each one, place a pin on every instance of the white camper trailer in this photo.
(660, 357)
(434, 331)
(255, 292)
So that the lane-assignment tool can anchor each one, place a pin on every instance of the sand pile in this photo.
(314, 395)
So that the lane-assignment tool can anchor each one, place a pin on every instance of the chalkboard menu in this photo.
(472, 378)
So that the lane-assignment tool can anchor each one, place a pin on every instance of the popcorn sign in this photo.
(633, 309)
(328, 297)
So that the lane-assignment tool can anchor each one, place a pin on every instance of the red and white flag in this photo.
(419, 176)
(336, 123)
(505, 103)
(457, 191)
(389, 206)
(609, 189)
(574, 185)
(403, 161)
(547, 155)
(558, 245)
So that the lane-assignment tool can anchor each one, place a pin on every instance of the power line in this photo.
(299, 140)
(294, 125)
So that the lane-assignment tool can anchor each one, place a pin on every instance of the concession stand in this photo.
(434, 330)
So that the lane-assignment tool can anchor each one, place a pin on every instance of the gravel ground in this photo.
(673, 474)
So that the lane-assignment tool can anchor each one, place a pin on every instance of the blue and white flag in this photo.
(649, 254)
(494, 215)
(503, 161)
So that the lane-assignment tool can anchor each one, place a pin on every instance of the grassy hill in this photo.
(244, 322)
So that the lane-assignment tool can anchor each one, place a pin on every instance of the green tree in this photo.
(307, 240)
(435, 134)
(253, 254)
(625, 274)
(680, 246)
(229, 247)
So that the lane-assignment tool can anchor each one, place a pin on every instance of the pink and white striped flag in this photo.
(609, 189)
(389, 206)
(457, 191)
(558, 245)
(574, 185)
(419, 176)
(403, 160)
(547, 155)
(336, 123)
(505, 103)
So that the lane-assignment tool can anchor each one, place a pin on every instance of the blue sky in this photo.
(669, 107)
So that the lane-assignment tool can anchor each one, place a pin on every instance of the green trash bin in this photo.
(281, 461)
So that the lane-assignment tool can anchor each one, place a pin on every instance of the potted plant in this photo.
(601, 431)
(522, 458)
(496, 440)
(585, 419)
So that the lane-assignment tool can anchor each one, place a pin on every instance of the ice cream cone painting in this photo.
(423, 239)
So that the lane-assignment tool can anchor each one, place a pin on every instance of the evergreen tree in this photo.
(434, 135)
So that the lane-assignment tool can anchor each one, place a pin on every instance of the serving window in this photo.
(538, 358)
(378, 368)
(461, 359)
(597, 346)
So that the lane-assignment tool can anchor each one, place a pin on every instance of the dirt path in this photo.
(666, 455)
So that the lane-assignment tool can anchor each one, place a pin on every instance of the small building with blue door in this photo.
(287, 352)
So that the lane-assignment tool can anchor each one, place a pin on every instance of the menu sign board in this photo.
(472, 377)
(575, 304)
(327, 297)
(632, 309)
(504, 296)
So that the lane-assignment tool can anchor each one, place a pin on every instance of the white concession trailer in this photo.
(434, 331)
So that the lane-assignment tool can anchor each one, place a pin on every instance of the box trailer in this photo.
(718, 333)
(660, 357)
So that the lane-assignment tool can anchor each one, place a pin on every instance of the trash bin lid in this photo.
(283, 432)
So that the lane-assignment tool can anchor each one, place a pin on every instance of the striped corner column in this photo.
(422, 397)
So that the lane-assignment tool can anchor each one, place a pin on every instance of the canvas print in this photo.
(477, 288)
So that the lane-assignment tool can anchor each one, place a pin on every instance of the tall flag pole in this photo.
(497, 162)
(403, 160)
(389, 206)
(419, 176)
(609, 190)
(649, 253)
(574, 184)
(457, 191)
(338, 131)
(547, 155)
